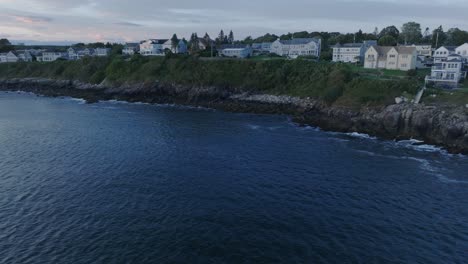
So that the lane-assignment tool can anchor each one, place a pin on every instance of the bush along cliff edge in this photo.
(334, 97)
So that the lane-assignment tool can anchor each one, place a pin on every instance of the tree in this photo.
(411, 33)
(230, 39)
(390, 31)
(248, 40)
(456, 37)
(5, 45)
(438, 37)
(359, 36)
(387, 41)
(427, 37)
(174, 43)
(376, 32)
(221, 37)
(194, 44)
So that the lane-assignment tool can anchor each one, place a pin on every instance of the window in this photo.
(404, 65)
(392, 56)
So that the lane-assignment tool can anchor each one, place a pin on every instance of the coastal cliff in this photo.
(445, 126)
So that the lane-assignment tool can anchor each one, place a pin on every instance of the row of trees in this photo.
(5, 45)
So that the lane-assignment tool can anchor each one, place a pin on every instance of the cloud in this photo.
(32, 19)
(88, 20)
(128, 24)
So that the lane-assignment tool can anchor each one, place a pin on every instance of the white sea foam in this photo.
(360, 135)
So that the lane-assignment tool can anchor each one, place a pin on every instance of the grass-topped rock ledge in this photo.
(336, 97)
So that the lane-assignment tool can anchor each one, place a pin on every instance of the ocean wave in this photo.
(360, 135)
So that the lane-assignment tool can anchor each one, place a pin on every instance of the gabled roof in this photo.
(156, 41)
(449, 48)
(299, 41)
(383, 50)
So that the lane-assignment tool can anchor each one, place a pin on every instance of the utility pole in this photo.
(437, 40)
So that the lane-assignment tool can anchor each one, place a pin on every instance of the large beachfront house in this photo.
(448, 72)
(391, 58)
(297, 47)
(53, 56)
(351, 52)
(131, 49)
(152, 47)
(441, 54)
(180, 48)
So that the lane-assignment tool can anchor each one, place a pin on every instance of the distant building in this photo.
(297, 47)
(423, 50)
(3, 57)
(447, 73)
(53, 56)
(102, 52)
(12, 57)
(180, 48)
(351, 52)
(263, 47)
(463, 51)
(24, 56)
(152, 47)
(73, 54)
(391, 58)
(131, 49)
(441, 54)
(235, 51)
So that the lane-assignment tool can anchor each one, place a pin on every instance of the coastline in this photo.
(442, 126)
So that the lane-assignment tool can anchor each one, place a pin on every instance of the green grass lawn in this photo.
(438, 96)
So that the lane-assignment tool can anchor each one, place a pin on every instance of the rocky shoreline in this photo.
(443, 126)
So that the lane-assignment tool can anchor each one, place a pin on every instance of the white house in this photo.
(102, 52)
(297, 47)
(391, 58)
(73, 54)
(262, 47)
(131, 49)
(3, 57)
(423, 50)
(53, 56)
(463, 51)
(152, 47)
(25, 56)
(447, 73)
(235, 51)
(351, 52)
(443, 52)
(12, 57)
(179, 49)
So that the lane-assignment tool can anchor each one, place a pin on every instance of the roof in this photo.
(233, 46)
(132, 44)
(156, 41)
(349, 45)
(382, 50)
(449, 48)
(299, 41)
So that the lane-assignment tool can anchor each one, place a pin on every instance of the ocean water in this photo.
(134, 183)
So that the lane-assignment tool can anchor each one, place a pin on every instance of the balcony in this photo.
(441, 79)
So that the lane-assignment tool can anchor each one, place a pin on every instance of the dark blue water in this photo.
(126, 183)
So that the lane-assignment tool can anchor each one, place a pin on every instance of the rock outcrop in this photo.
(443, 126)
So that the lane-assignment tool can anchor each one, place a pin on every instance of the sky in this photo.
(54, 21)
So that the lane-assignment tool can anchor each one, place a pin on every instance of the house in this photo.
(204, 43)
(297, 47)
(179, 49)
(391, 58)
(152, 47)
(12, 56)
(463, 51)
(443, 52)
(235, 51)
(73, 54)
(53, 56)
(263, 47)
(351, 52)
(3, 57)
(102, 52)
(424, 51)
(86, 52)
(447, 73)
(25, 56)
(131, 49)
